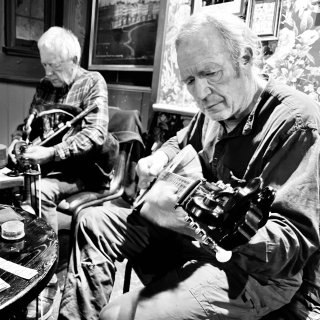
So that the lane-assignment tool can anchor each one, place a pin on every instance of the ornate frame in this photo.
(123, 36)
(264, 18)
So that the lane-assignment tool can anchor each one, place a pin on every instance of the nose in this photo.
(201, 88)
(48, 70)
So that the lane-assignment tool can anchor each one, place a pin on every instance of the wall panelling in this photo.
(14, 105)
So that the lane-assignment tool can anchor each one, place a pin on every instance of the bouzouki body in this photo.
(221, 216)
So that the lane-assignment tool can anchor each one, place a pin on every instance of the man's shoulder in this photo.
(90, 74)
(89, 80)
(292, 104)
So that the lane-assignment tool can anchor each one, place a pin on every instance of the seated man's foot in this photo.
(44, 305)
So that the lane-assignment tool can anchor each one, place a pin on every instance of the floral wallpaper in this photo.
(296, 59)
(172, 90)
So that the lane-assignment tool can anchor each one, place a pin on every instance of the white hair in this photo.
(237, 36)
(61, 41)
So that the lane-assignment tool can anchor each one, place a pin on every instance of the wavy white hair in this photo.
(61, 41)
(237, 36)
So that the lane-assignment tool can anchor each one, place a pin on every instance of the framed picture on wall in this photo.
(24, 24)
(264, 18)
(123, 34)
(233, 6)
(169, 93)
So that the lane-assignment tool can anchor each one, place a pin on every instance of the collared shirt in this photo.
(279, 141)
(88, 89)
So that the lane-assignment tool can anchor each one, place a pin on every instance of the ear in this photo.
(247, 55)
(75, 60)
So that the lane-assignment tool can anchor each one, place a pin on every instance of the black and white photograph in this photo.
(160, 160)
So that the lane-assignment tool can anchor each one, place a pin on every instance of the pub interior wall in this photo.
(16, 95)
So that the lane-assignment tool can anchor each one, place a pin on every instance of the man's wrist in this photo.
(52, 153)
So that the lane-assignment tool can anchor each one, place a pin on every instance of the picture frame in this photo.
(123, 35)
(234, 6)
(169, 93)
(264, 18)
(24, 24)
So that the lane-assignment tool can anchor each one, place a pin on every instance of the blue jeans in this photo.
(182, 280)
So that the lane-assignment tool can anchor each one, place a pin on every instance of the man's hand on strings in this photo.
(38, 154)
(11, 151)
(148, 168)
(159, 209)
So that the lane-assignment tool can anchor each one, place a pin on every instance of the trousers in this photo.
(182, 280)
(51, 190)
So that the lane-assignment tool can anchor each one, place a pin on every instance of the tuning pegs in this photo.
(201, 235)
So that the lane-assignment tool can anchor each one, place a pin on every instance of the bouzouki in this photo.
(221, 216)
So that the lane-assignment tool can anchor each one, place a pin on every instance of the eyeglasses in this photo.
(55, 66)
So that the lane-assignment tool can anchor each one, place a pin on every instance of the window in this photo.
(26, 20)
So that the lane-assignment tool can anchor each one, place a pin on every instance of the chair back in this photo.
(125, 126)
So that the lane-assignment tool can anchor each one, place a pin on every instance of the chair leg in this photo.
(127, 277)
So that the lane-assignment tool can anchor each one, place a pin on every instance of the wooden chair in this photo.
(125, 125)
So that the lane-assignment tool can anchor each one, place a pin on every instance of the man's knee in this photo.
(122, 307)
(110, 312)
(94, 218)
(89, 216)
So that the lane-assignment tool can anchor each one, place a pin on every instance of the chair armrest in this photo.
(69, 204)
(76, 202)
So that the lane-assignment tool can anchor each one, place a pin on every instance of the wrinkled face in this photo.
(206, 68)
(58, 71)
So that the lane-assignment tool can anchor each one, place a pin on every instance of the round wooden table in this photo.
(38, 250)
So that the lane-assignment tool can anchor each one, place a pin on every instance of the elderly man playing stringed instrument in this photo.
(238, 244)
(66, 161)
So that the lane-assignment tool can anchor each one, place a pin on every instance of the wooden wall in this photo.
(14, 104)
